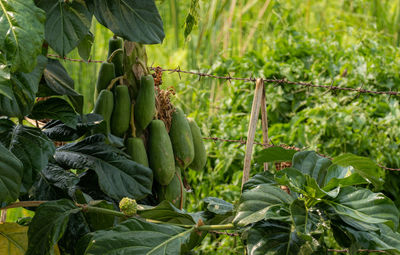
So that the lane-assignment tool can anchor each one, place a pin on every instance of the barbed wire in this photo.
(285, 146)
(251, 79)
(75, 60)
(279, 81)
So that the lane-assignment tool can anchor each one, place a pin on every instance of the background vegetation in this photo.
(345, 42)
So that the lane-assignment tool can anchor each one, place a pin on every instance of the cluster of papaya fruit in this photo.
(130, 114)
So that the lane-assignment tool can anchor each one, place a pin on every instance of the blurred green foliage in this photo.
(352, 43)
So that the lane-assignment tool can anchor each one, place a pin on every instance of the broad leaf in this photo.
(274, 154)
(118, 176)
(13, 239)
(85, 46)
(384, 240)
(30, 146)
(361, 208)
(55, 109)
(21, 33)
(5, 75)
(135, 236)
(77, 228)
(58, 82)
(363, 166)
(67, 23)
(275, 238)
(58, 131)
(304, 184)
(305, 220)
(309, 162)
(134, 20)
(99, 221)
(48, 225)
(54, 183)
(24, 88)
(255, 204)
(166, 212)
(217, 205)
(342, 176)
(11, 170)
(260, 178)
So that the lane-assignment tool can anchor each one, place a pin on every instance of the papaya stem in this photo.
(146, 69)
(132, 121)
(229, 226)
(115, 52)
(113, 82)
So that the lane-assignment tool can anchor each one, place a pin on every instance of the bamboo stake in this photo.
(264, 121)
(255, 111)
(3, 216)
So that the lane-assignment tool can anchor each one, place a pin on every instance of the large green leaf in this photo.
(54, 183)
(260, 178)
(5, 75)
(21, 33)
(134, 20)
(48, 225)
(363, 166)
(24, 88)
(384, 239)
(13, 239)
(166, 212)
(361, 208)
(274, 154)
(30, 146)
(275, 238)
(309, 162)
(118, 176)
(99, 221)
(305, 220)
(341, 176)
(11, 170)
(58, 131)
(256, 204)
(304, 184)
(58, 82)
(67, 23)
(135, 236)
(85, 46)
(55, 109)
(217, 205)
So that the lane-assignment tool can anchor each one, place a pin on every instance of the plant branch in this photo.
(216, 227)
(115, 52)
(23, 204)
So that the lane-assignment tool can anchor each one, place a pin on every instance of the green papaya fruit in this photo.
(181, 139)
(122, 111)
(200, 154)
(145, 106)
(174, 192)
(106, 74)
(135, 149)
(114, 44)
(104, 106)
(160, 153)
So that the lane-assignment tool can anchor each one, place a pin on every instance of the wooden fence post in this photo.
(264, 121)
(255, 111)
